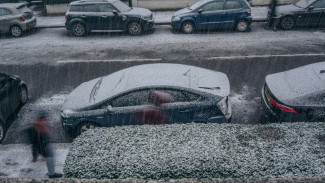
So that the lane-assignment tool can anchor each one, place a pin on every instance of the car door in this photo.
(109, 20)
(128, 109)
(318, 13)
(4, 98)
(4, 19)
(90, 15)
(211, 15)
(233, 13)
(310, 16)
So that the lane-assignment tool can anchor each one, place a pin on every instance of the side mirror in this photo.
(200, 11)
(109, 109)
(115, 12)
(310, 8)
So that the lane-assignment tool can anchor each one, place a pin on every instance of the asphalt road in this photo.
(53, 62)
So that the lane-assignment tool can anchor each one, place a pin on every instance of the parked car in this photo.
(213, 14)
(13, 94)
(297, 94)
(304, 13)
(16, 18)
(100, 15)
(148, 94)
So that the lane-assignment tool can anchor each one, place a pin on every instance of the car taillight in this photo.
(22, 18)
(66, 17)
(282, 107)
(249, 11)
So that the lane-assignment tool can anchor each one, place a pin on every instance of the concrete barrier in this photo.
(57, 9)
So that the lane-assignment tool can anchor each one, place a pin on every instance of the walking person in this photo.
(40, 137)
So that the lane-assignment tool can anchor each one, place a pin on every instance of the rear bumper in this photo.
(29, 24)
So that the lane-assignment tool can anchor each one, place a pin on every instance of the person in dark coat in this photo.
(40, 137)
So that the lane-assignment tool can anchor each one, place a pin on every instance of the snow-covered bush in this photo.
(199, 151)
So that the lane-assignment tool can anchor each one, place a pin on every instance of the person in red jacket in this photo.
(40, 137)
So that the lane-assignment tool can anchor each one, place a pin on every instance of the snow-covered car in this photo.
(16, 18)
(297, 94)
(13, 94)
(304, 13)
(148, 94)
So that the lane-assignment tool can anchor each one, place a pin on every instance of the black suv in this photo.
(13, 94)
(100, 15)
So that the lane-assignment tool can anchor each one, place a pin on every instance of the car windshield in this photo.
(302, 3)
(198, 4)
(121, 6)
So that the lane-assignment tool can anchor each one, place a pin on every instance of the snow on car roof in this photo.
(176, 75)
(11, 5)
(291, 86)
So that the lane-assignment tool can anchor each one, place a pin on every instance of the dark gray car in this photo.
(16, 18)
(304, 13)
(148, 94)
(107, 15)
(297, 94)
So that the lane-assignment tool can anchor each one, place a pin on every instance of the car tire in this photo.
(287, 23)
(79, 29)
(2, 132)
(242, 26)
(16, 31)
(135, 28)
(83, 127)
(188, 27)
(23, 95)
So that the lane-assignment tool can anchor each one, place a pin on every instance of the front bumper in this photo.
(148, 25)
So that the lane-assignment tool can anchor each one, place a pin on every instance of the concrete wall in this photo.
(57, 9)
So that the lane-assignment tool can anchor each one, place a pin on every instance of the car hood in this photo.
(293, 87)
(175, 75)
(285, 9)
(182, 11)
(138, 11)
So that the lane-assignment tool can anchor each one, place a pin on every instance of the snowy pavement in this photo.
(15, 161)
(161, 17)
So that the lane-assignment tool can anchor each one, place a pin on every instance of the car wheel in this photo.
(287, 23)
(2, 132)
(86, 126)
(16, 31)
(135, 28)
(188, 27)
(242, 26)
(79, 29)
(23, 95)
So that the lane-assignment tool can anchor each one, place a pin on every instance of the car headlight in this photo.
(223, 106)
(176, 19)
(146, 17)
(67, 113)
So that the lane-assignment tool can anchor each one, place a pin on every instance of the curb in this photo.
(157, 23)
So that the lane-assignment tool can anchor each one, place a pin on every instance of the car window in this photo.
(213, 6)
(180, 96)
(319, 4)
(131, 99)
(76, 8)
(90, 8)
(233, 5)
(4, 12)
(106, 8)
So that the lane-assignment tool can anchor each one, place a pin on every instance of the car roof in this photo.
(11, 5)
(91, 1)
(296, 85)
(148, 75)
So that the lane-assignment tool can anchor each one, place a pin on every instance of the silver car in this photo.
(16, 18)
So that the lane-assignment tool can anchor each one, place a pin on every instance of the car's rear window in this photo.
(23, 9)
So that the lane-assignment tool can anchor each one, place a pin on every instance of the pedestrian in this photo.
(40, 137)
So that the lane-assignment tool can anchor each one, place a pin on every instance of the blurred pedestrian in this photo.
(40, 137)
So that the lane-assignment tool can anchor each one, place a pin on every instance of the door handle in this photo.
(185, 111)
(83, 16)
(104, 16)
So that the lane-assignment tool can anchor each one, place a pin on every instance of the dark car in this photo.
(102, 15)
(13, 94)
(213, 14)
(297, 94)
(148, 94)
(16, 18)
(304, 13)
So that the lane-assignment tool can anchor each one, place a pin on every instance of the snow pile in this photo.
(199, 151)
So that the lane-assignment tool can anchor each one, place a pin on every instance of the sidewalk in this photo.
(15, 161)
(259, 13)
